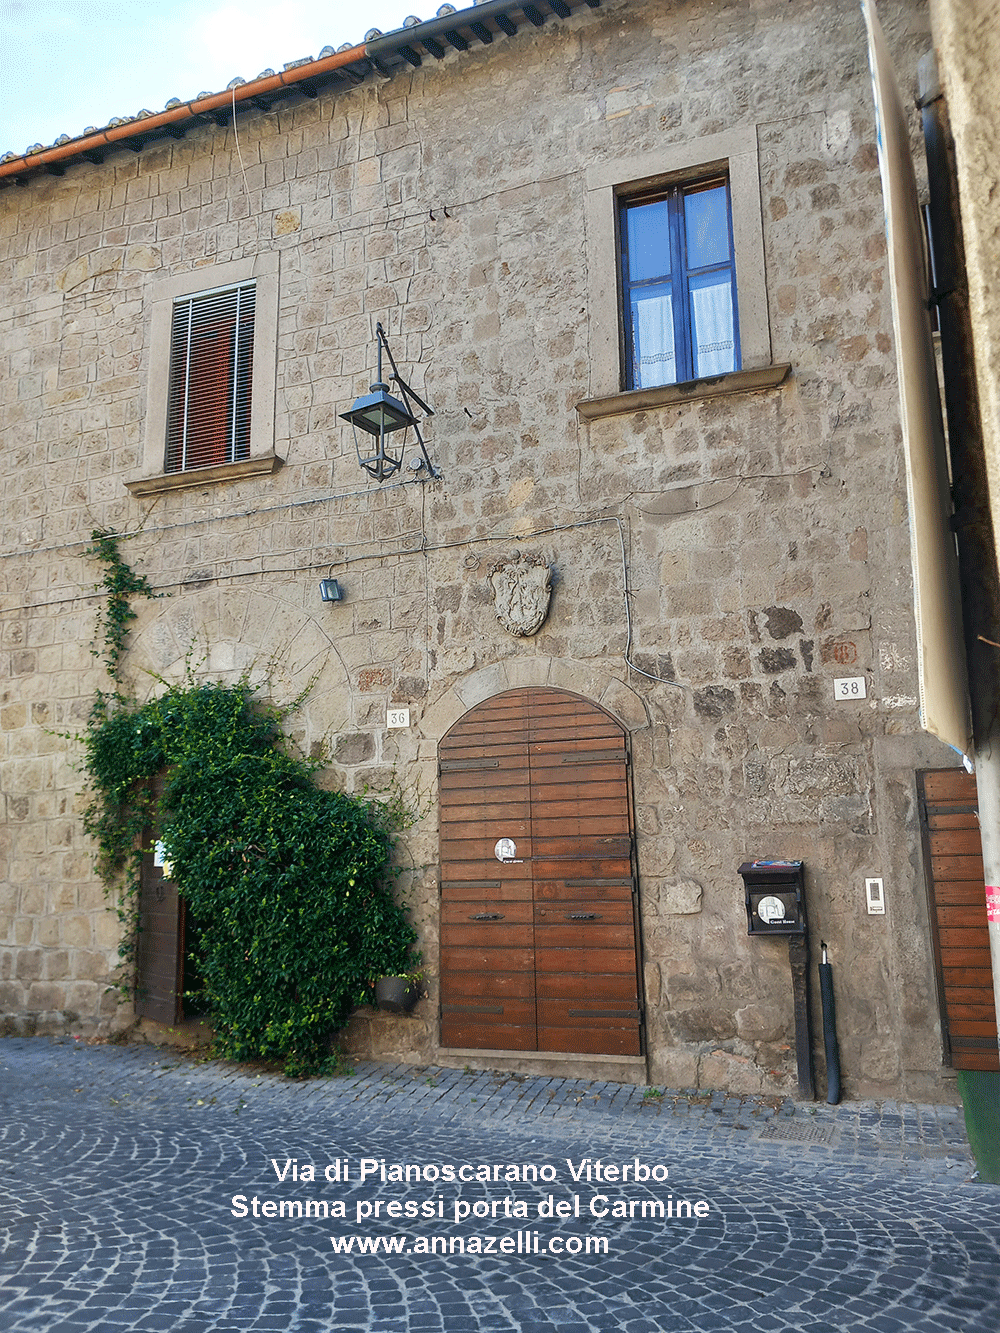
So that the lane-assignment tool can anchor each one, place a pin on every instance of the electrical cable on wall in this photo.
(422, 548)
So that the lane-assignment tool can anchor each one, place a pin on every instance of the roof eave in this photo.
(386, 55)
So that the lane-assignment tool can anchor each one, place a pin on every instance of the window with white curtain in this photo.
(678, 280)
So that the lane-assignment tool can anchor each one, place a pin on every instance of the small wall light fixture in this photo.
(330, 590)
(379, 414)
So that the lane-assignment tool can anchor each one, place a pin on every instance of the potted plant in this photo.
(398, 995)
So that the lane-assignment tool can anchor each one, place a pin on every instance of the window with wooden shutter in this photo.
(211, 374)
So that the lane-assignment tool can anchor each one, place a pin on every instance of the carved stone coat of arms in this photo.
(521, 591)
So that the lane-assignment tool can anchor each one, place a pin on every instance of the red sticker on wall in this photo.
(992, 903)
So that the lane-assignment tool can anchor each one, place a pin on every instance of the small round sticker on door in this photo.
(505, 850)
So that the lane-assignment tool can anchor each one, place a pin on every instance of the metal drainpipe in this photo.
(973, 521)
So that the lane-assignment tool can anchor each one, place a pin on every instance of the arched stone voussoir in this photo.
(438, 716)
(533, 672)
(271, 641)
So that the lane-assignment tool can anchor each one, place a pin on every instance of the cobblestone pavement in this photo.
(120, 1167)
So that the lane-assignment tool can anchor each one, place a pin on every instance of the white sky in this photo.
(67, 64)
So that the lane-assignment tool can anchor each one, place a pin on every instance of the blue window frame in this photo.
(679, 285)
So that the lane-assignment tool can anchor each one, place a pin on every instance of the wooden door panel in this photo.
(471, 1035)
(573, 1012)
(481, 760)
(555, 893)
(959, 1014)
(597, 806)
(581, 873)
(951, 785)
(943, 818)
(957, 867)
(958, 912)
(466, 788)
(585, 960)
(601, 849)
(488, 935)
(575, 748)
(477, 960)
(579, 827)
(599, 988)
(464, 914)
(476, 783)
(477, 830)
(570, 794)
(968, 976)
(965, 941)
(476, 869)
(502, 810)
(584, 915)
(607, 774)
(492, 899)
(966, 1002)
(495, 986)
(956, 842)
(976, 1059)
(963, 914)
(965, 1027)
(959, 893)
(578, 935)
(547, 770)
(552, 762)
(507, 1009)
(591, 1040)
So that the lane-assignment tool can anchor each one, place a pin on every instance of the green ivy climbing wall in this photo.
(288, 882)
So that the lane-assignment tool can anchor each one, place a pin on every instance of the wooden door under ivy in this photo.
(163, 970)
(539, 919)
(949, 812)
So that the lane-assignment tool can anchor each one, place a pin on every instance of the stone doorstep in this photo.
(191, 1033)
(629, 1069)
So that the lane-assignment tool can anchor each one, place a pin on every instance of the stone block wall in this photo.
(750, 548)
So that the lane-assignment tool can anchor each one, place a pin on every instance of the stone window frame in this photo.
(262, 270)
(733, 153)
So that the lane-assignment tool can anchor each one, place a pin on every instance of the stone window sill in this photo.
(141, 487)
(640, 400)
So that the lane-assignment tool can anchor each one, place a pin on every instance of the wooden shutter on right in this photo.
(954, 857)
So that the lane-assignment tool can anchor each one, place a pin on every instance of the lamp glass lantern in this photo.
(378, 414)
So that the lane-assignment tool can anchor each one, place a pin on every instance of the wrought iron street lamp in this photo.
(380, 415)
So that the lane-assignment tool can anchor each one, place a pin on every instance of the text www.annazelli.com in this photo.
(523, 1242)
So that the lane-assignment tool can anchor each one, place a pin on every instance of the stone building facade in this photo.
(720, 550)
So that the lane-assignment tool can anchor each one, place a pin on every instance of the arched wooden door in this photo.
(538, 936)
